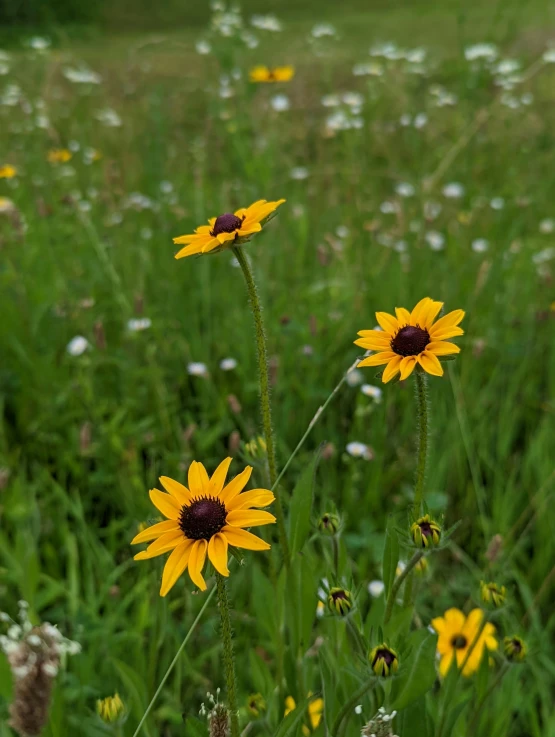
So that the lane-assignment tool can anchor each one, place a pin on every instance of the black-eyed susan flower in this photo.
(492, 593)
(7, 171)
(228, 229)
(463, 639)
(256, 704)
(59, 155)
(315, 712)
(411, 339)
(515, 648)
(266, 74)
(384, 660)
(203, 520)
(329, 524)
(111, 709)
(425, 532)
(340, 601)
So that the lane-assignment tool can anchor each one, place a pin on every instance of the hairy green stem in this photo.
(348, 708)
(397, 585)
(229, 658)
(421, 387)
(264, 383)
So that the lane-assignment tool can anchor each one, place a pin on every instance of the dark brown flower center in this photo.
(203, 518)
(459, 642)
(425, 529)
(517, 645)
(386, 655)
(410, 341)
(226, 223)
(339, 594)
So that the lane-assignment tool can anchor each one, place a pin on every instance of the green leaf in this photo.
(390, 557)
(454, 714)
(300, 508)
(329, 683)
(418, 674)
(415, 720)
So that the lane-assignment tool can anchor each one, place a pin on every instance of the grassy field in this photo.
(423, 174)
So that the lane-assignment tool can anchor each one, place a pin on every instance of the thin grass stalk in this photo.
(229, 657)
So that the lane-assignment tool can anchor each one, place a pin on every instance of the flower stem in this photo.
(229, 658)
(347, 709)
(421, 394)
(264, 392)
(397, 585)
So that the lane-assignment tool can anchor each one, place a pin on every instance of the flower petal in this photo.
(175, 565)
(154, 531)
(378, 360)
(196, 562)
(243, 539)
(374, 343)
(407, 366)
(177, 490)
(443, 334)
(167, 541)
(194, 248)
(430, 363)
(217, 552)
(418, 313)
(387, 322)
(403, 316)
(248, 499)
(445, 663)
(454, 619)
(165, 503)
(451, 320)
(392, 369)
(198, 479)
(249, 518)
(442, 348)
(217, 480)
(224, 237)
(432, 312)
(210, 245)
(236, 485)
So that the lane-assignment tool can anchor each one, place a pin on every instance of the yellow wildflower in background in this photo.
(492, 593)
(228, 229)
(263, 73)
(204, 519)
(411, 339)
(59, 155)
(463, 638)
(111, 709)
(315, 711)
(7, 171)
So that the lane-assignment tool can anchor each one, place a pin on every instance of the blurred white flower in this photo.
(480, 245)
(109, 118)
(354, 377)
(372, 391)
(266, 23)
(453, 191)
(330, 100)
(360, 450)
(228, 364)
(405, 189)
(280, 103)
(77, 346)
(481, 51)
(342, 231)
(435, 240)
(299, 172)
(420, 120)
(39, 43)
(547, 225)
(541, 257)
(506, 67)
(136, 324)
(203, 47)
(195, 368)
(549, 56)
(323, 29)
(388, 208)
(376, 588)
(82, 75)
(497, 203)
(368, 68)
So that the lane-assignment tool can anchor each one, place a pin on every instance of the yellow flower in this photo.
(276, 74)
(228, 229)
(425, 532)
(411, 338)
(315, 711)
(256, 703)
(384, 660)
(204, 519)
(59, 155)
(456, 637)
(7, 171)
(111, 709)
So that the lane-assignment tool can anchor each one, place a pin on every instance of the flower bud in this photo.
(111, 709)
(384, 661)
(256, 704)
(329, 523)
(492, 593)
(422, 566)
(515, 648)
(340, 601)
(425, 532)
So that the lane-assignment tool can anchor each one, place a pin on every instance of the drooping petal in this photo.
(236, 485)
(224, 237)
(249, 518)
(254, 498)
(418, 313)
(196, 563)
(217, 479)
(387, 322)
(210, 245)
(177, 490)
(175, 565)
(442, 348)
(185, 239)
(248, 229)
(217, 553)
(403, 316)
(154, 531)
(407, 366)
(165, 503)
(378, 360)
(198, 479)
(167, 541)
(194, 248)
(392, 369)
(430, 363)
(243, 539)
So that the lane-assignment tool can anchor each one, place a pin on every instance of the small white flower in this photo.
(77, 346)
(358, 709)
(388, 208)
(203, 47)
(420, 120)
(137, 324)
(507, 66)
(266, 23)
(354, 377)
(50, 670)
(405, 189)
(360, 450)
(228, 364)
(376, 588)
(342, 231)
(435, 240)
(497, 203)
(14, 632)
(549, 56)
(39, 43)
(481, 51)
(372, 391)
(82, 75)
(34, 640)
(323, 29)
(368, 68)
(330, 100)
(109, 118)
(299, 173)
(280, 103)
(480, 245)
(547, 225)
(196, 368)
(543, 256)
(453, 191)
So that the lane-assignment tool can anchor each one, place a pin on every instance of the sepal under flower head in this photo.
(515, 649)
(425, 532)
(340, 601)
(329, 524)
(111, 709)
(384, 661)
(492, 593)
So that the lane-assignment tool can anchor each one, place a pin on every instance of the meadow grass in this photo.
(83, 437)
